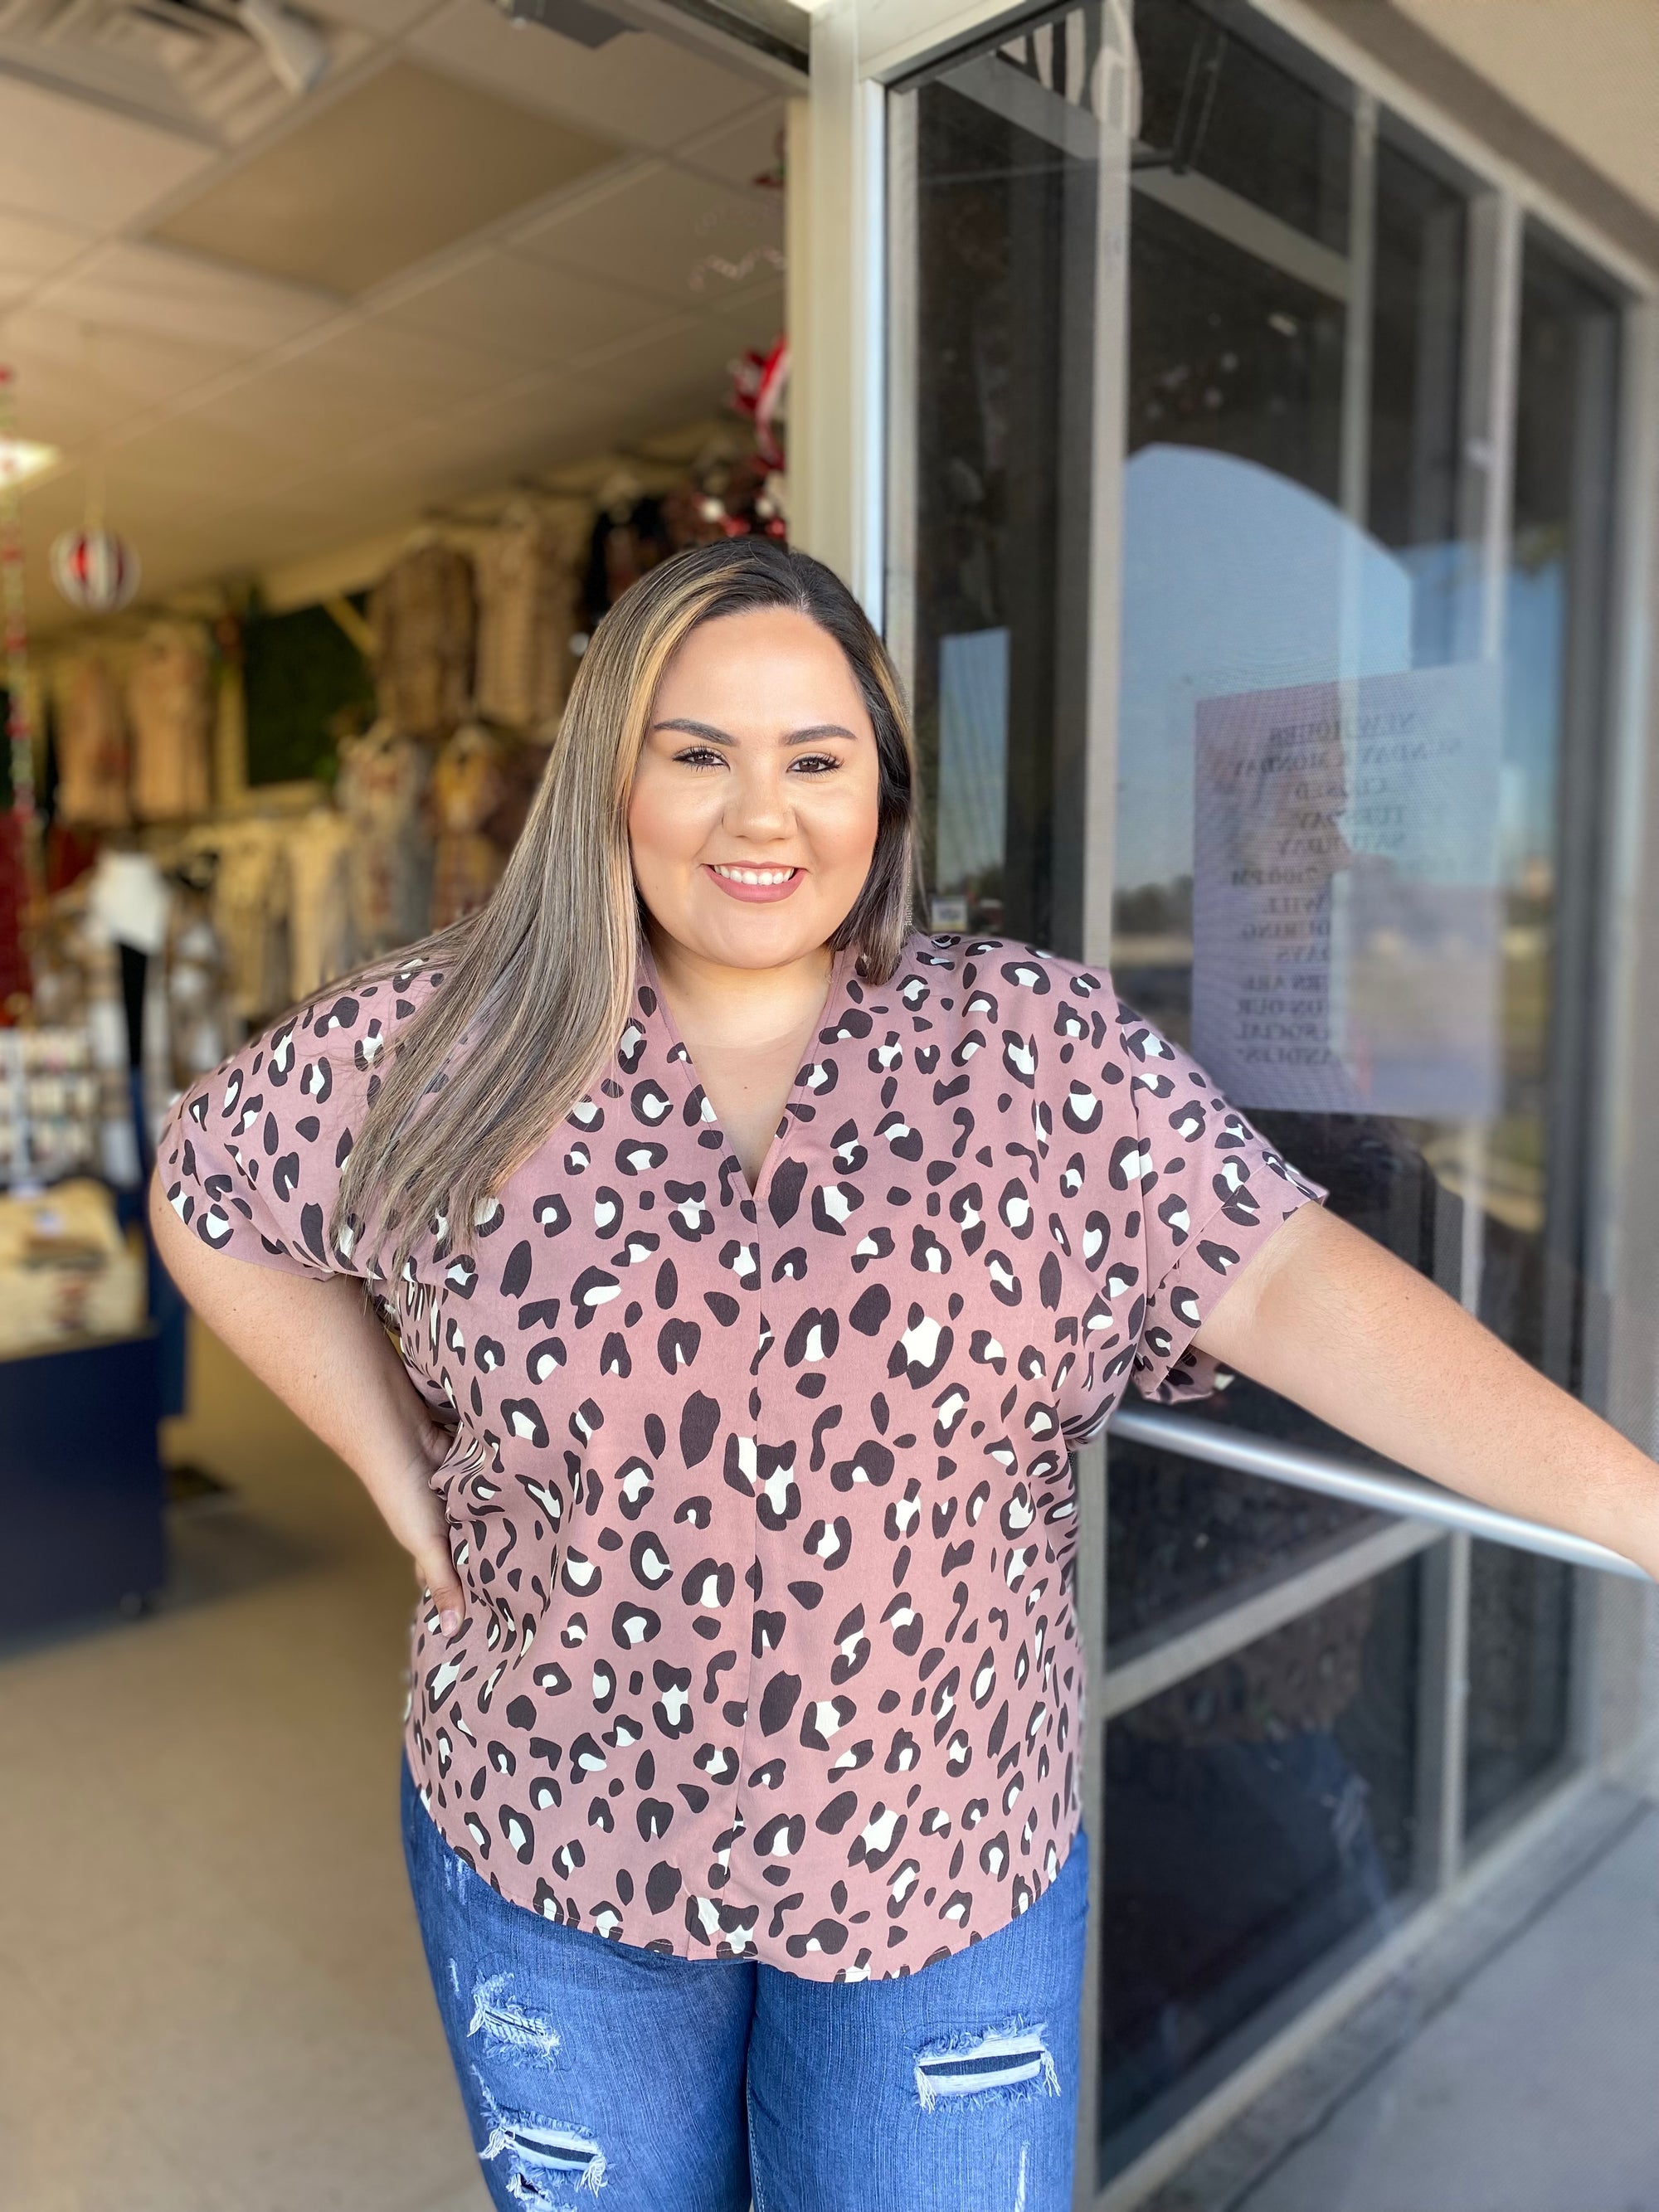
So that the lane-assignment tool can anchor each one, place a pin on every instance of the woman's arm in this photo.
(1325, 1316)
(318, 1344)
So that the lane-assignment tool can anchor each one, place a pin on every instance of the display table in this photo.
(82, 1487)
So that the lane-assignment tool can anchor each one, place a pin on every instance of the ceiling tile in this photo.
(742, 152)
(641, 88)
(310, 409)
(130, 286)
(483, 449)
(59, 503)
(198, 469)
(71, 162)
(409, 372)
(382, 18)
(31, 249)
(695, 361)
(526, 310)
(689, 240)
(395, 170)
(73, 382)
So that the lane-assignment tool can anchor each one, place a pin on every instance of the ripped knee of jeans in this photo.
(542, 2161)
(499, 2019)
(987, 2066)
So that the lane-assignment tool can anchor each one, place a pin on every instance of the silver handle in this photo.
(1400, 1493)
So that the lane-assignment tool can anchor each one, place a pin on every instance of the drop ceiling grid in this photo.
(324, 323)
(388, 313)
(169, 387)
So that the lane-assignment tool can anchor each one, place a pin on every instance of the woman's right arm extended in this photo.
(318, 1345)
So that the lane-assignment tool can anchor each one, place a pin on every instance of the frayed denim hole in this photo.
(495, 2017)
(971, 2068)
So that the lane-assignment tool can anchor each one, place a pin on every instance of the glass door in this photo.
(1202, 350)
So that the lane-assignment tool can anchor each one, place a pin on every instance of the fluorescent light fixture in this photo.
(296, 53)
(21, 458)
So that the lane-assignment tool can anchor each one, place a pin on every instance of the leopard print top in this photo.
(763, 1505)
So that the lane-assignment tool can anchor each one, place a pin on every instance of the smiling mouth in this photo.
(760, 879)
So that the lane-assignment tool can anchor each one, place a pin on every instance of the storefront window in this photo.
(1358, 480)
(1262, 1819)
(1003, 275)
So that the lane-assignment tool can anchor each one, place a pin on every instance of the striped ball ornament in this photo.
(95, 570)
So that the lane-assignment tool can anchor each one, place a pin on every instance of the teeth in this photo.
(755, 875)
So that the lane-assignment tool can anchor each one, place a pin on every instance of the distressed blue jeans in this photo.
(701, 2085)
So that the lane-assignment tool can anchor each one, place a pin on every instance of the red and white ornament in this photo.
(95, 570)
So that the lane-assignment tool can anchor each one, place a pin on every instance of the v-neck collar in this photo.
(677, 1054)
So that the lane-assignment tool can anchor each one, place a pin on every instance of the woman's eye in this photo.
(699, 757)
(816, 763)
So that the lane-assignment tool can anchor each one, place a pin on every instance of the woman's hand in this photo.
(1326, 1316)
(315, 1340)
(417, 1517)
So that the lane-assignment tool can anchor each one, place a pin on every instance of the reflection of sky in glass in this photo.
(1235, 579)
(1533, 643)
(973, 755)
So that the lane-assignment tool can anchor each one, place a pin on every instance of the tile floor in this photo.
(1536, 2089)
(212, 1996)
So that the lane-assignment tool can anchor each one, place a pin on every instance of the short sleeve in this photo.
(250, 1155)
(1212, 1191)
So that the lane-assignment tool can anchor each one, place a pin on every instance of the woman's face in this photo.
(752, 821)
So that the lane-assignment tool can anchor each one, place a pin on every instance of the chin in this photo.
(758, 939)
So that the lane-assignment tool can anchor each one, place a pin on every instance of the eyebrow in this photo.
(723, 738)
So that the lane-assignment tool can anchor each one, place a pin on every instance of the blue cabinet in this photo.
(82, 1486)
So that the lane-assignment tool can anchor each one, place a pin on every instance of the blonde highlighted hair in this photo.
(536, 986)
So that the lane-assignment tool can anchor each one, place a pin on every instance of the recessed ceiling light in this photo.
(21, 458)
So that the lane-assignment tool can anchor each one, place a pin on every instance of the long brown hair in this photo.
(536, 986)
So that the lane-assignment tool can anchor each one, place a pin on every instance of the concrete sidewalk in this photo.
(1535, 2089)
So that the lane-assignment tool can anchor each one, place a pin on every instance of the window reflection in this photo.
(1262, 1815)
(1521, 1611)
(1556, 636)
(1185, 1540)
(1006, 198)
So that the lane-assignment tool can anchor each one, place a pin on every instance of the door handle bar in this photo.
(1398, 1492)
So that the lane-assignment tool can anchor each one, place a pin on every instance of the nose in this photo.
(758, 806)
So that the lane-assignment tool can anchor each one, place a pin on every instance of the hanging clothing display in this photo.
(423, 614)
(469, 784)
(187, 1021)
(92, 746)
(170, 709)
(250, 913)
(322, 938)
(381, 791)
(128, 960)
(77, 985)
(527, 611)
(631, 536)
(49, 1098)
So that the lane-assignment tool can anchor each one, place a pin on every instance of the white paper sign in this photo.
(1346, 918)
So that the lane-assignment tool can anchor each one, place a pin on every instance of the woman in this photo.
(748, 1264)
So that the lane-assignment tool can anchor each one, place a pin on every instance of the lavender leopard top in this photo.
(762, 1503)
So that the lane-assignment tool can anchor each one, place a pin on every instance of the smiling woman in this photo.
(709, 1277)
(753, 821)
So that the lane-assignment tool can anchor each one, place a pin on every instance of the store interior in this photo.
(354, 366)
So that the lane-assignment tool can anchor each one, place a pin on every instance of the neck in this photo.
(746, 1006)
